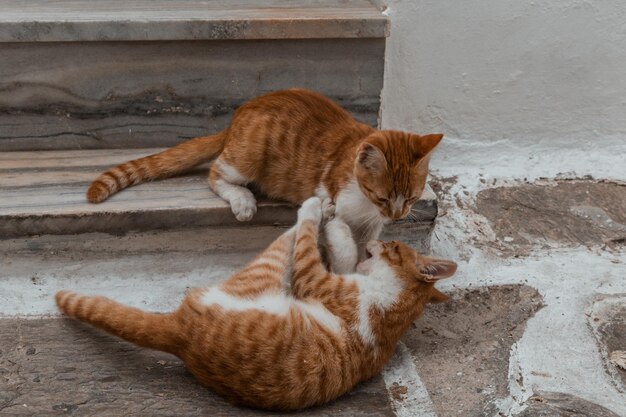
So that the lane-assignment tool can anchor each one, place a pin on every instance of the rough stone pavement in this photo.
(536, 316)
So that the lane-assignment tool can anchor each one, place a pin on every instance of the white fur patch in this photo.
(269, 303)
(276, 303)
(398, 204)
(311, 209)
(354, 208)
(230, 174)
(343, 250)
(242, 201)
(231, 187)
(322, 192)
(320, 314)
(379, 289)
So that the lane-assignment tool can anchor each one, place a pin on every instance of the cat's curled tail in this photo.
(151, 330)
(168, 163)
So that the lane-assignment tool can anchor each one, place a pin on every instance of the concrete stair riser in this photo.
(143, 73)
(93, 95)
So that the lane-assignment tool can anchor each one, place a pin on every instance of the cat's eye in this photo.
(382, 200)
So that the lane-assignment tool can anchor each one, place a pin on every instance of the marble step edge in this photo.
(137, 219)
(44, 193)
(164, 20)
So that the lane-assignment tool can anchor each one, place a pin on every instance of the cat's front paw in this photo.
(328, 210)
(243, 207)
(311, 209)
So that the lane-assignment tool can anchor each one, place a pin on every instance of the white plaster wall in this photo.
(492, 69)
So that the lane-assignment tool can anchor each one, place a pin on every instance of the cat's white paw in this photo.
(328, 210)
(311, 209)
(342, 249)
(243, 207)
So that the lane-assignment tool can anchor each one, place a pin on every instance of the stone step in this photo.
(44, 193)
(46, 361)
(79, 74)
(151, 20)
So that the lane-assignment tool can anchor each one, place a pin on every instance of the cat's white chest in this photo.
(354, 208)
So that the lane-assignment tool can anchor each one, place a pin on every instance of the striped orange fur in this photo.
(294, 144)
(284, 333)
(173, 161)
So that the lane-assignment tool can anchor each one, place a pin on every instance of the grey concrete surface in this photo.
(55, 367)
(470, 353)
(461, 347)
(149, 20)
(51, 366)
(554, 404)
(534, 316)
(607, 319)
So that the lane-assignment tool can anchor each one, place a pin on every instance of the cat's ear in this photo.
(437, 296)
(423, 145)
(371, 158)
(434, 269)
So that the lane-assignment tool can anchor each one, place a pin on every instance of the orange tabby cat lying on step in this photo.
(284, 333)
(295, 144)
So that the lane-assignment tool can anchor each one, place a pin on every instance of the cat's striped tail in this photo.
(168, 163)
(151, 330)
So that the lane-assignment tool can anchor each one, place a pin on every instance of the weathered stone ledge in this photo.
(148, 20)
(44, 193)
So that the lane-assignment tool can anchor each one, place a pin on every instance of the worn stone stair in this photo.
(141, 73)
(150, 20)
(44, 193)
(85, 85)
(79, 77)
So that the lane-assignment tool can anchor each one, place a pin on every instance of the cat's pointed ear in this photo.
(371, 158)
(437, 296)
(423, 145)
(434, 269)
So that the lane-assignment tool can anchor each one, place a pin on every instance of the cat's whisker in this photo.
(419, 211)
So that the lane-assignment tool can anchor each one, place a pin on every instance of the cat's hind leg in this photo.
(229, 184)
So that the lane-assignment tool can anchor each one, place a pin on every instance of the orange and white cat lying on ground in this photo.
(284, 333)
(292, 145)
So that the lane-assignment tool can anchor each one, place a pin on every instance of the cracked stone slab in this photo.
(553, 404)
(607, 319)
(462, 346)
(59, 367)
(555, 214)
